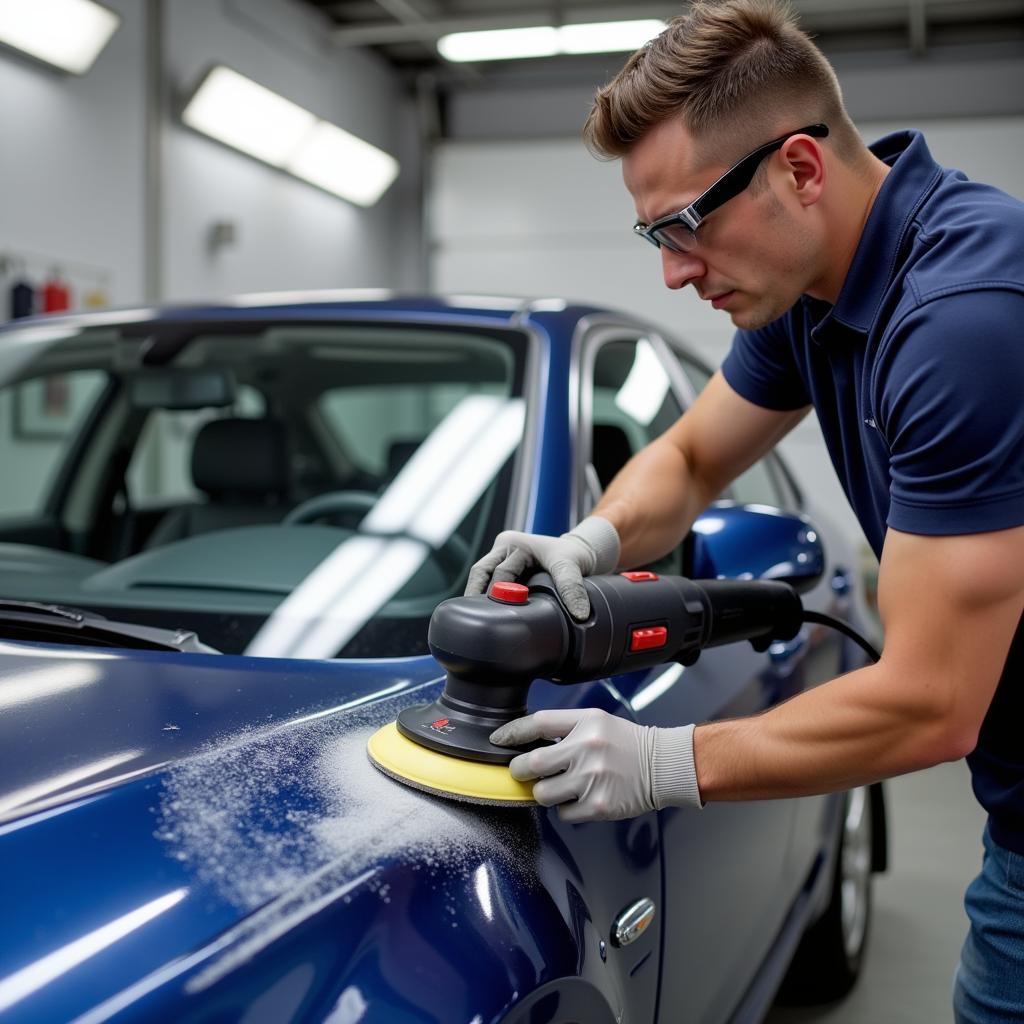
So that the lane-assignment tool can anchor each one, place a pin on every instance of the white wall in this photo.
(543, 217)
(73, 173)
(950, 82)
(71, 184)
(290, 235)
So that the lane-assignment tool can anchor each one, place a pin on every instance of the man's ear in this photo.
(804, 162)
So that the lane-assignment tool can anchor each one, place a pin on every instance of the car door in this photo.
(818, 654)
(724, 898)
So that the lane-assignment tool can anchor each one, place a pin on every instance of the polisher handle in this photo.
(492, 649)
(641, 619)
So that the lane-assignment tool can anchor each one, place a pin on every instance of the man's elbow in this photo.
(961, 741)
(953, 736)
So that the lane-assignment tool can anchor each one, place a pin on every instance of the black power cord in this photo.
(842, 627)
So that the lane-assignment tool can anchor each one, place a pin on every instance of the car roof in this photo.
(556, 318)
(345, 303)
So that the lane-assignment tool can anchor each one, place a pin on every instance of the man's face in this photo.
(754, 257)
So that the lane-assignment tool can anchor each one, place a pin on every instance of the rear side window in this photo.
(632, 404)
(41, 419)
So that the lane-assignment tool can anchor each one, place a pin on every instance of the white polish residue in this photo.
(259, 814)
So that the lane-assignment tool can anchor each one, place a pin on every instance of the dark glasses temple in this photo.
(740, 175)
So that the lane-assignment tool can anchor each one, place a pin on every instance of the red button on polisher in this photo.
(648, 639)
(509, 593)
(639, 576)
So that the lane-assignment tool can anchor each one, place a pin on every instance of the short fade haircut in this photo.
(738, 73)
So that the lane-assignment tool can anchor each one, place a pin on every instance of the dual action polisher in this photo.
(493, 646)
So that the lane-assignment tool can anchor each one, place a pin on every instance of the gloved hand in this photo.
(589, 549)
(602, 768)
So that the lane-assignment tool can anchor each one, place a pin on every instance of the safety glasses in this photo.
(678, 231)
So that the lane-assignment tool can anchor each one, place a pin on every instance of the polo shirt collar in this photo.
(913, 175)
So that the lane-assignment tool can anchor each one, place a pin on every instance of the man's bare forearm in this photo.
(653, 502)
(852, 731)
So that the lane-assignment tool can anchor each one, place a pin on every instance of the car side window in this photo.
(632, 403)
(43, 417)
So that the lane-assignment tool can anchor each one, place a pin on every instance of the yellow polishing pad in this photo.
(445, 775)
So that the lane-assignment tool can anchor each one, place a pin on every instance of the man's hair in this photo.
(738, 73)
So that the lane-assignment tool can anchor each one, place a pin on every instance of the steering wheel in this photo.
(453, 554)
(331, 503)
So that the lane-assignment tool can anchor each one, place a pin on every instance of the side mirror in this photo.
(756, 542)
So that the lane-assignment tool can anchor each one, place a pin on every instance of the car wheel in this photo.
(829, 957)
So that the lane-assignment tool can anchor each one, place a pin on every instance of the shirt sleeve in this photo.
(761, 367)
(950, 404)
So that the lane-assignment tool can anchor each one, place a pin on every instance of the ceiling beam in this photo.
(414, 25)
(409, 31)
(403, 11)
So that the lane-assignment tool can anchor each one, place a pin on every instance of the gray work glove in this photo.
(602, 768)
(589, 549)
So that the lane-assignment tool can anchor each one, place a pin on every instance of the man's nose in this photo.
(680, 268)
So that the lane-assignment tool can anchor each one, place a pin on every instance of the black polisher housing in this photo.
(493, 649)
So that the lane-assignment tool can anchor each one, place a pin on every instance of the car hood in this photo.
(75, 721)
(179, 826)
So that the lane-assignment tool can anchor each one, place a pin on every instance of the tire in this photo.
(829, 957)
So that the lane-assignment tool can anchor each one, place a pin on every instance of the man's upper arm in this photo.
(722, 433)
(950, 606)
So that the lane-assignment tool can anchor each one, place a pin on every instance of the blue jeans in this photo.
(989, 987)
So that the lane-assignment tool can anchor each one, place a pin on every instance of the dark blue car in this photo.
(223, 531)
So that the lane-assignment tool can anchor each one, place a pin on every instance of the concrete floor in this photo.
(919, 922)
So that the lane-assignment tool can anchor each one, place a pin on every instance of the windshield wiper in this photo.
(58, 624)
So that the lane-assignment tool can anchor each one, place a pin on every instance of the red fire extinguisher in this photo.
(56, 294)
(56, 297)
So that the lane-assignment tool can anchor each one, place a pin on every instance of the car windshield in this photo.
(283, 489)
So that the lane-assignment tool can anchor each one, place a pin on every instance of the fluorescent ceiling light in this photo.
(547, 41)
(241, 113)
(499, 44)
(607, 36)
(237, 111)
(343, 164)
(66, 33)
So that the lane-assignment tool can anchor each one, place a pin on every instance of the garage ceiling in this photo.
(404, 31)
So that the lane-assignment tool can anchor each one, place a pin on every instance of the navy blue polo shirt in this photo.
(917, 377)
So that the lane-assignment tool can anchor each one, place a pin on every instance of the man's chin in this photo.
(754, 317)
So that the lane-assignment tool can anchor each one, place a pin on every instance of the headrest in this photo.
(611, 451)
(241, 457)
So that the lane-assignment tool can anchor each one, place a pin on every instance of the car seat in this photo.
(610, 451)
(242, 466)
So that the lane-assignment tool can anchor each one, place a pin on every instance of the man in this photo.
(887, 293)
